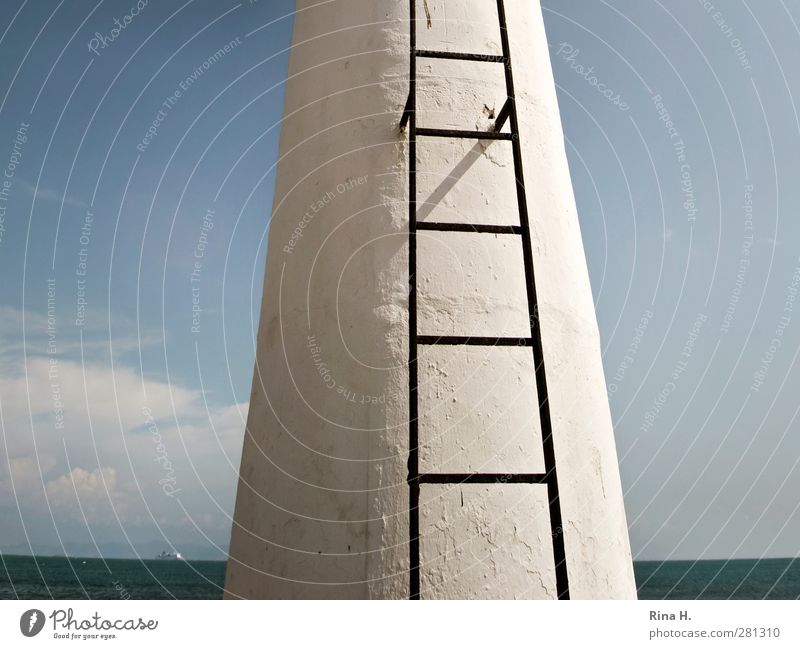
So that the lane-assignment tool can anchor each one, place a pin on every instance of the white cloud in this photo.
(105, 453)
(83, 493)
(22, 476)
(97, 400)
(127, 337)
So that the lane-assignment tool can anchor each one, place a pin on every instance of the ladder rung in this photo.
(469, 227)
(472, 135)
(483, 478)
(461, 56)
(474, 340)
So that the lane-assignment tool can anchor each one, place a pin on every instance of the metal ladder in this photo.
(534, 342)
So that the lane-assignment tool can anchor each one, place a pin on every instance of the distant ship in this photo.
(170, 555)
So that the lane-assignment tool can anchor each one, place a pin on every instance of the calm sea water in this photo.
(741, 579)
(67, 578)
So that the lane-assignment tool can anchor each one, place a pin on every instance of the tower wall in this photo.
(322, 504)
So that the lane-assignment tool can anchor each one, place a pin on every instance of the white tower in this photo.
(428, 415)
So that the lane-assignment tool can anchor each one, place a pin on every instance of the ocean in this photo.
(27, 577)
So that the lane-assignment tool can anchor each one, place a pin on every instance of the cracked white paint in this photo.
(322, 504)
(471, 284)
(451, 183)
(486, 542)
(478, 411)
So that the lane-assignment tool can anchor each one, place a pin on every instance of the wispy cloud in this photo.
(50, 195)
(100, 440)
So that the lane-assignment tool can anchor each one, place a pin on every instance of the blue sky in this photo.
(168, 181)
(682, 141)
(708, 458)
